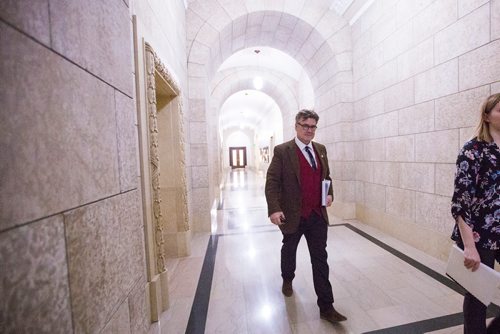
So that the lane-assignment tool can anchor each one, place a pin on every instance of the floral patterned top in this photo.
(477, 193)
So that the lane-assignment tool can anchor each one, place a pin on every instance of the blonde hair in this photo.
(483, 127)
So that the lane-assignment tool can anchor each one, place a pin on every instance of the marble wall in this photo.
(421, 70)
(71, 234)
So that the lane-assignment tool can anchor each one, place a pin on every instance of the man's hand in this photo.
(329, 200)
(277, 218)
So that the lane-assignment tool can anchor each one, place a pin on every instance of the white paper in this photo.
(481, 283)
(325, 186)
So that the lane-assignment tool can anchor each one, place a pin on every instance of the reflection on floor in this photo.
(231, 283)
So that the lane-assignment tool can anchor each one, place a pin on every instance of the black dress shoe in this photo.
(287, 288)
(332, 316)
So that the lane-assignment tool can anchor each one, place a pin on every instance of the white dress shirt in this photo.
(302, 148)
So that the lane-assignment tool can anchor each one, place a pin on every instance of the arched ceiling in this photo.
(311, 32)
(265, 57)
(249, 109)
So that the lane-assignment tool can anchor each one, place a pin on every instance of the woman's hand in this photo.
(472, 260)
(471, 255)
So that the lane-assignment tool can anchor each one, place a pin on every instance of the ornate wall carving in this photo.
(154, 159)
(153, 64)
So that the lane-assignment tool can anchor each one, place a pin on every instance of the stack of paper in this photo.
(481, 283)
(325, 186)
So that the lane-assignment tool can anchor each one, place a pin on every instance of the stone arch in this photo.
(314, 35)
(278, 86)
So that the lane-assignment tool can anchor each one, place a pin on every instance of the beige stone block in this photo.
(342, 112)
(196, 70)
(341, 210)
(341, 41)
(363, 87)
(480, 67)
(197, 133)
(434, 212)
(198, 155)
(439, 81)
(398, 42)
(31, 17)
(120, 322)
(413, 233)
(360, 192)
(373, 150)
(400, 202)
(434, 18)
(139, 309)
(364, 171)
(416, 60)
(169, 204)
(417, 176)
(200, 221)
(385, 27)
(375, 196)
(373, 59)
(417, 118)
(495, 19)
(345, 191)
(386, 173)
(177, 244)
(58, 145)
(342, 151)
(445, 178)
(467, 6)
(370, 106)
(197, 110)
(461, 109)
(348, 171)
(400, 95)
(438, 146)
(201, 202)
(84, 33)
(495, 87)
(467, 34)
(385, 125)
(34, 276)
(466, 134)
(103, 269)
(400, 148)
(362, 130)
(385, 76)
(127, 141)
(199, 175)
(405, 10)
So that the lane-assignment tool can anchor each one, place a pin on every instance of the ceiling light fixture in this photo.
(258, 83)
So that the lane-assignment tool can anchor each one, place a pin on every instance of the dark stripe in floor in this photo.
(199, 309)
(427, 325)
(426, 270)
(198, 317)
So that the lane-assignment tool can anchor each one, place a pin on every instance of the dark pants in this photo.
(315, 230)
(474, 310)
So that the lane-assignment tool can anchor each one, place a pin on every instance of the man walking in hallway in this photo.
(294, 197)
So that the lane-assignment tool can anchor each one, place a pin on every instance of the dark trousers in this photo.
(474, 310)
(315, 230)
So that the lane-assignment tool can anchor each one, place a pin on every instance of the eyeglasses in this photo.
(306, 127)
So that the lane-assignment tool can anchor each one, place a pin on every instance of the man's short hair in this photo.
(305, 114)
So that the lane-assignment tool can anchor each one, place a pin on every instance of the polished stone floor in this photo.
(231, 282)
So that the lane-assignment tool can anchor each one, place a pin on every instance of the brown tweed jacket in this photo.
(283, 183)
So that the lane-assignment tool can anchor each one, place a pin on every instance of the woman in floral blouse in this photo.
(476, 207)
